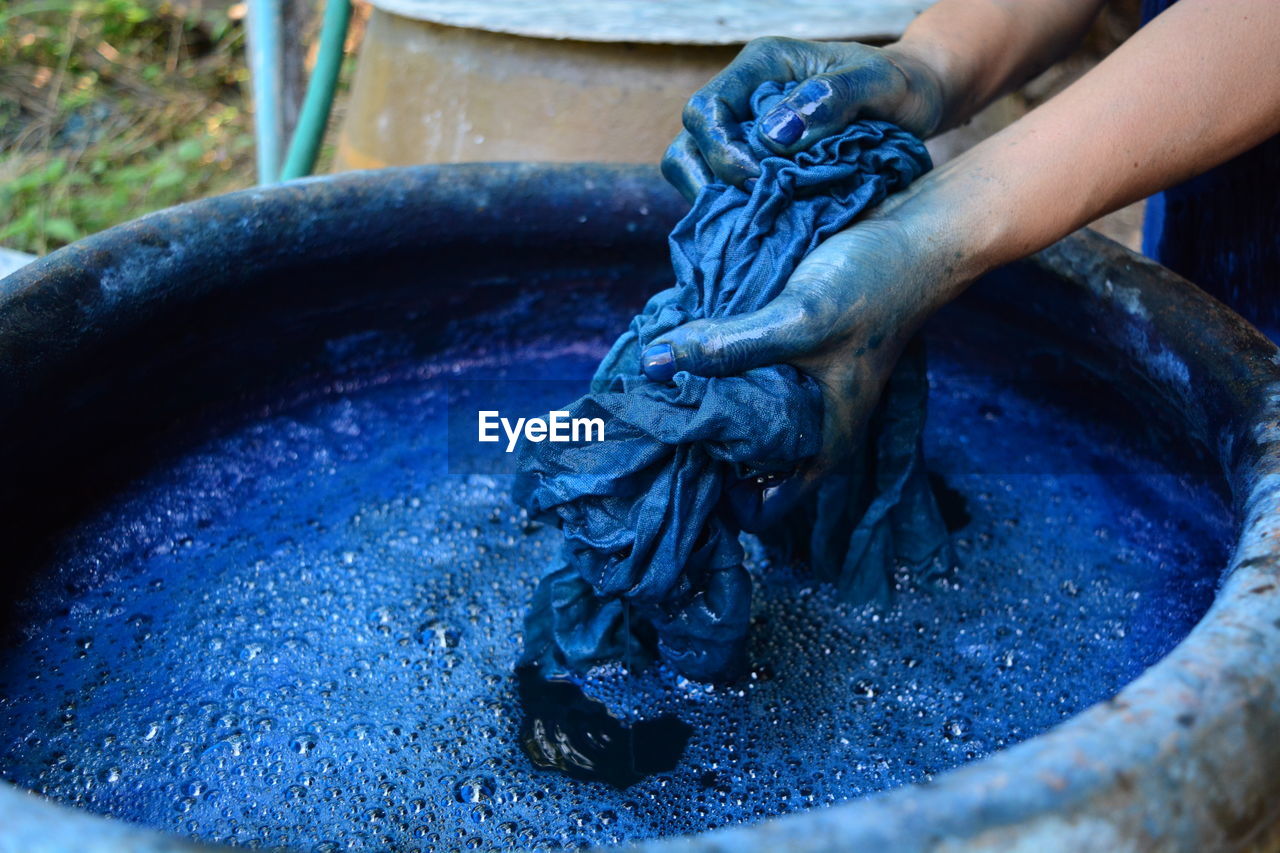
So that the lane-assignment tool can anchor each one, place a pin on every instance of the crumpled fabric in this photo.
(652, 560)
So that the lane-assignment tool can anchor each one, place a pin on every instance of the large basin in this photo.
(121, 341)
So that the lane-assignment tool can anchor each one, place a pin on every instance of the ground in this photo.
(111, 108)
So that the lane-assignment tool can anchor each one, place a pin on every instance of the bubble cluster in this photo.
(302, 632)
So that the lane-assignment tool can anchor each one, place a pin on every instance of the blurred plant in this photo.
(112, 108)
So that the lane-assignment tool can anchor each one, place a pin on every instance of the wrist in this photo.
(949, 232)
(929, 81)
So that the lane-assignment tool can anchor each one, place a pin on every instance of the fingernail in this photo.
(659, 362)
(783, 126)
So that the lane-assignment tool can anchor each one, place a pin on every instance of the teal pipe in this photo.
(305, 145)
(264, 49)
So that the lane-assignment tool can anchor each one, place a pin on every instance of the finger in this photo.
(776, 501)
(760, 507)
(761, 502)
(826, 104)
(846, 411)
(684, 168)
(715, 113)
(715, 126)
(782, 330)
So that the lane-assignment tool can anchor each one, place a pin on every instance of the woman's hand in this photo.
(844, 318)
(955, 58)
(839, 82)
(1165, 106)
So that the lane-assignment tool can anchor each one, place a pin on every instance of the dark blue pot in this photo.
(118, 335)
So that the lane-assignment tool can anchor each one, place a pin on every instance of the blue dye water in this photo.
(301, 632)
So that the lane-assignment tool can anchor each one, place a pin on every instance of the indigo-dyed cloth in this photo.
(652, 561)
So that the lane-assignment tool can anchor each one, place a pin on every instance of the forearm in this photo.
(978, 50)
(1196, 87)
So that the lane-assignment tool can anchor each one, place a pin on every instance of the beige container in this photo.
(427, 93)
(452, 81)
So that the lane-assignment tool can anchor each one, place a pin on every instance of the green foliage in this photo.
(55, 206)
(113, 108)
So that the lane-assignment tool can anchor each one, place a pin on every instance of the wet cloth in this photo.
(652, 560)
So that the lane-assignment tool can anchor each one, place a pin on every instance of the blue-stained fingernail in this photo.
(783, 126)
(659, 362)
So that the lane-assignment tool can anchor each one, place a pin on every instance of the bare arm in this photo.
(1196, 87)
(981, 49)
(952, 61)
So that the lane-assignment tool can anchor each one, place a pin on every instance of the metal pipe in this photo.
(264, 51)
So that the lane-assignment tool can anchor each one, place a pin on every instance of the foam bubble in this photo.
(301, 633)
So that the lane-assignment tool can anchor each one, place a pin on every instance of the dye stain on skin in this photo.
(566, 731)
(298, 628)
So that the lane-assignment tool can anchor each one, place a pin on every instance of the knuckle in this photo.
(883, 65)
(811, 313)
(675, 157)
(728, 169)
(764, 44)
(857, 51)
(845, 87)
(723, 354)
(697, 345)
(825, 83)
(734, 346)
(697, 111)
(730, 163)
(673, 171)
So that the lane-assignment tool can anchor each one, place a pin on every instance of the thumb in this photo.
(774, 334)
(823, 105)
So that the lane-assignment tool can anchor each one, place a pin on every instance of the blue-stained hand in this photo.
(839, 82)
(844, 318)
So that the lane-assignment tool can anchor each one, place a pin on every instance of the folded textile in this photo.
(652, 561)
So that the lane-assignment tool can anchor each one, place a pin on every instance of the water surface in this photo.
(298, 629)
